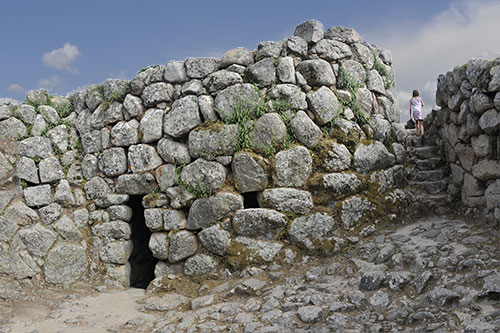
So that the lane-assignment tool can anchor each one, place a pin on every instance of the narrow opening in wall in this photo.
(141, 260)
(250, 200)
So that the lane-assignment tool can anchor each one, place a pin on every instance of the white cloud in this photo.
(16, 88)
(62, 58)
(121, 75)
(467, 29)
(48, 83)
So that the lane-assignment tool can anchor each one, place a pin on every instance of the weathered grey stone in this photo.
(240, 56)
(492, 195)
(237, 96)
(198, 68)
(364, 54)
(173, 152)
(204, 176)
(151, 125)
(388, 178)
(375, 83)
(175, 72)
(269, 49)
(49, 214)
(153, 218)
(310, 313)
(65, 264)
(91, 142)
(5, 111)
(26, 113)
(210, 143)
(203, 301)
(479, 103)
(36, 147)
(120, 212)
(482, 145)
(67, 229)
(113, 113)
(96, 188)
(344, 35)
(341, 185)
(372, 280)
(63, 195)
(183, 244)
(288, 200)
(115, 89)
(331, 50)
(293, 167)
(26, 169)
(442, 296)
(353, 209)
(221, 80)
(183, 117)
(268, 132)
(490, 122)
(81, 217)
(215, 239)
(399, 152)
(200, 264)
(179, 197)
(206, 211)
(372, 157)
(143, 157)
(113, 162)
(145, 77)
(324, 105)
(158, 244)
(317, 72)
(94, 97)
(297, 45)
(40, 195)
(289, 94)
(486, 170)
(249, 173)
(111, 199)
(83, 122)
(78, 100)
(311, 31)
(89, 166)
(339, 158)
(353, 71)
(157, 93)
(8, 228)
(306, 131)
(465, 155)
(174, 219)
(166, 176)
(259, 223)
(116, 252)
(113, 229)
(286, 70)
(381, 128)
(49, 113)
(263, 72)
(13, 129)
(59, 137)
(472, 191)
(206, 105)
(192, 87)
(132, 106)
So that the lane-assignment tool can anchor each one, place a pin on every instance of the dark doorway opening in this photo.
(141, 260)
(250, 200)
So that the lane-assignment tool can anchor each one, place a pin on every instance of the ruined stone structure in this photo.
(204, 166)
(468, 125)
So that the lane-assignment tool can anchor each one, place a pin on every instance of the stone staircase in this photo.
(428, 177)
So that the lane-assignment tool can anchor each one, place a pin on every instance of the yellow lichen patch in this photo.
(239, 256)
(210, 126)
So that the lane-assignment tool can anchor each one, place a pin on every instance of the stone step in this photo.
(432, 197)
(425, 152)
(431, 187)
(430, 175)
(418, 141)
(429, 163)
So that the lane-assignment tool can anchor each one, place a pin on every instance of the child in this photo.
(416, 105)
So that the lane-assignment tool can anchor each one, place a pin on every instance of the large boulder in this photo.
(210, 143)
(339, 158)
(183, 244)
(65, 264)
(215, 239)
(259, 223)
(143, 158)
(305, 130)
(317, 72)
(40, 195)
(151, 125)
(324, 104)
(288, 200)
(341, 184)
(113, 162)
(206, 211)
(331, 50)
(204, 177)
(173, 152)
(371, 157)
(136, 184)
(198, 68)
(269, 131)
(239, 97)
(311, 232)
(293, 167)
(263, 72)
(250, 172)
(183, 117)
(125, 133)
(311, 31)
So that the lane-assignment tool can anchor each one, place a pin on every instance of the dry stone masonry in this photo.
(468, 124)
(213, 165)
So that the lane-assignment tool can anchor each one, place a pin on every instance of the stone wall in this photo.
(255, 157)
(468, 123)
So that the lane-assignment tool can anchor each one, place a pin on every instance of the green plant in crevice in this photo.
(23, 184)
(201, 191)
(382, 70)
(348, 82)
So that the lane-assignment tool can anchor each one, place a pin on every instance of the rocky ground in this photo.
(437, 274)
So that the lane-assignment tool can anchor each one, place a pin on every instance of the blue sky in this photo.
(65, 45)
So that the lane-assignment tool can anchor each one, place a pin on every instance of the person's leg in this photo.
(421, 127)
(417, 125)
